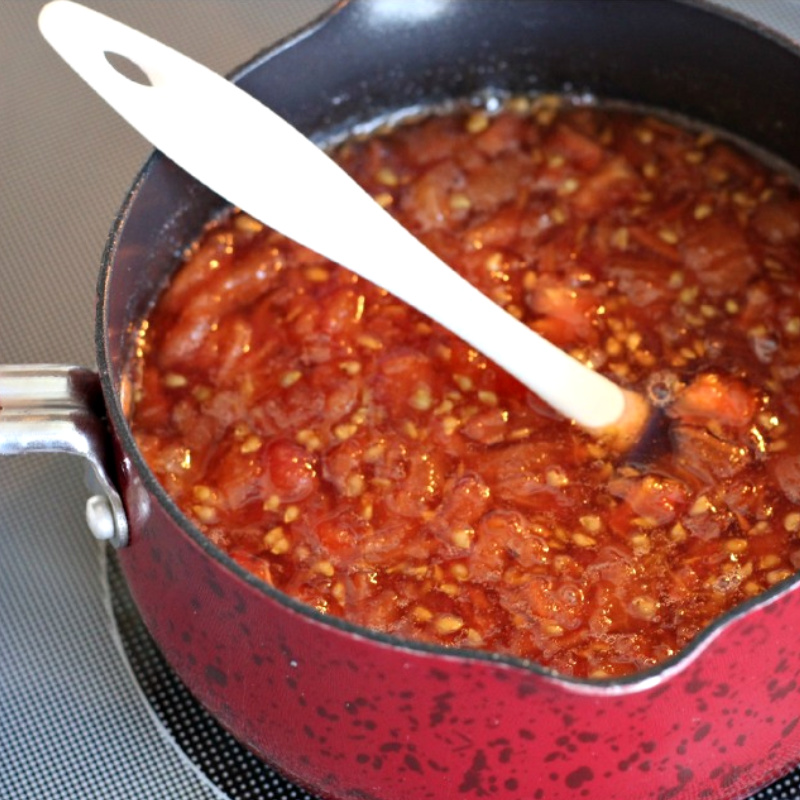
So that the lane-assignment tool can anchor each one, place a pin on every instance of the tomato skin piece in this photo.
(653, 497)
(787, 473)
(719, 254)
(566, 312)
(289, 471)
(616, 182)
(778, 221)
(583, 151)
(713, 397)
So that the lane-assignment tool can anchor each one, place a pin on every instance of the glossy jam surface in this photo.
(360, 458)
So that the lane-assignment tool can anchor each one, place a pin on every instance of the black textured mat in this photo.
(213, 751)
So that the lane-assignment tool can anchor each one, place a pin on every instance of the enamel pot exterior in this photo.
(349, 714)
(352, 717)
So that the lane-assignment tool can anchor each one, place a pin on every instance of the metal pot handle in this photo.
(59, 409)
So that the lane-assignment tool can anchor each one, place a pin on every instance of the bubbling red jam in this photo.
(360, 458)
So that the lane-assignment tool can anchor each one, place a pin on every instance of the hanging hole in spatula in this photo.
(127, 68)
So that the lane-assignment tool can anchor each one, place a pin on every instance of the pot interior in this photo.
(373, 58)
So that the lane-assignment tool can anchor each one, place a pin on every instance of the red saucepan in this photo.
(353, 714)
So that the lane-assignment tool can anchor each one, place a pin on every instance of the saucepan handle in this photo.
(59, 409)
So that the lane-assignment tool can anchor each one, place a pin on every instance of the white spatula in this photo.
(281, 178)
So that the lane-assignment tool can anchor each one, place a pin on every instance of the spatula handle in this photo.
(260, 163)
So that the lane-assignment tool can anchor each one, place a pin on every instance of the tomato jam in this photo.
(360, 458)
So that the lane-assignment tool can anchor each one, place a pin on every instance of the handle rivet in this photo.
(100, 518)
